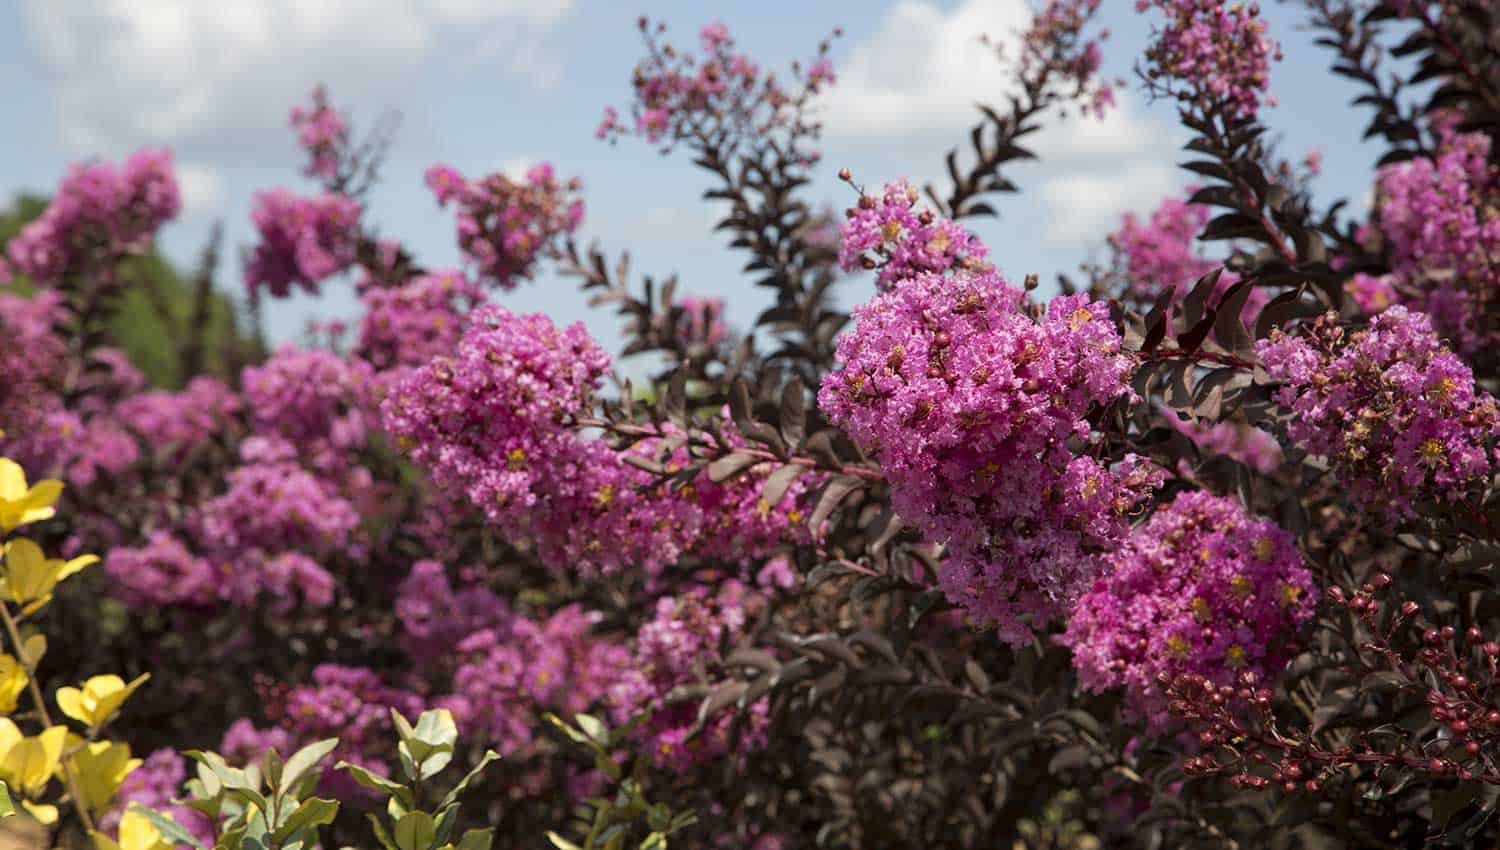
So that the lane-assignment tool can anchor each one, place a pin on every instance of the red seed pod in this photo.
(1461, 682)
(1381, 581)
(1473, 635)
(1289, 787)
(1437, 766)
(1492, 718)
(844, 175)
(1410, 608)
(1491, 649)
(1311, 785)
(1432, 637)
(1448, 632)
(1472, 748)
(1459, 726)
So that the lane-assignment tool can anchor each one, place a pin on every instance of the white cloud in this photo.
(911, 88)
(922, 72)
(221, 75)
(202, 188)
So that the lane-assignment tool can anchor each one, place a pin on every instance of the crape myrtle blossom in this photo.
(510, 673)
(303, 241)
(323, 133)
(1438, 220)
(410, 324)
(1212, 52)
(497, 420)
(671, 650)
(505, 225)
(679, 93)
(100, 213)
(1202, 587)
(1162, 253)
(970, 404)
(1394, 411)
(1055, 47)
(890, 233)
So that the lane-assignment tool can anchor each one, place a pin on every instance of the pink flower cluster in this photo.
(496, 421)
(275, 507)
(348, 703)
(494, 416)
(512, 673)
(1394, 411)
(891, 234)
(701, 325)
(1161, 254)
(505, 225)
(1441, 226)
(303, 240)
(313, 399)
(673, 649)
(156, 784)
(1219, 51)
(176, 422)
(434, 617)
(677, 92)
(970, 404)
(410, 324)
(1054, 46)
(1203, 587)
(164, 572)
(323, 133)
(1249, 445)
(99, 213)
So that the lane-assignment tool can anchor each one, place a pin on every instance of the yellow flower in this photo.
(12, 682)
(27, 764)
(30, 575)
(100, 767)
(136, 833)
(20, 504)
(1235, 656)
(99, 698)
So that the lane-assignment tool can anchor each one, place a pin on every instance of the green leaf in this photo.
(229, 777)
(415, 831)
(403, 726)
(306, 759)
(654, 841)
(477, 839)
(576, 736)
(593, 727)
(313, 812)
(373, 781)
(561, 843)
(380, 834)
(469, 778)
(271, 765)
(436, 728)
(7, 808)
(168, 828)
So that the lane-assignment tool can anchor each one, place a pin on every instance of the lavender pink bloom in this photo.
(1203, 587)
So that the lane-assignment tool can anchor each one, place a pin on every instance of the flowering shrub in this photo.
(1196, 552)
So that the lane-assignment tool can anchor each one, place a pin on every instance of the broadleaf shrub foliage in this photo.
(1197, 550)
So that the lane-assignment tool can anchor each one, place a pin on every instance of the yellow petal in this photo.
(9, 735)
(12, 682)
(42, 495)
(29, 574)
(12, 480)
(46, 814)
(70, 700)
(75, 565)
(138, 833)
(104, 842)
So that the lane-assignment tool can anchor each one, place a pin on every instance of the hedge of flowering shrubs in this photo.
(1198, 549)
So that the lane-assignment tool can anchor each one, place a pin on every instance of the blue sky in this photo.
(489, 84)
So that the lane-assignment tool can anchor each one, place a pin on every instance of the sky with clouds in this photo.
(486, 85)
